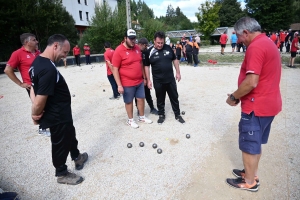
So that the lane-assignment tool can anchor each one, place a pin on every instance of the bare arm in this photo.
(176, 65)
(245, 87)
(147, 73)
(116, 74)
(9, 71)
(38, 106)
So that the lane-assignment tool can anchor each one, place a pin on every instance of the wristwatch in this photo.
(232, 98)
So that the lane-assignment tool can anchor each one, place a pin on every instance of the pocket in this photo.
(249, 133)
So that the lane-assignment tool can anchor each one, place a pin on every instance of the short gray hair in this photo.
(25, 37)
(247, 23)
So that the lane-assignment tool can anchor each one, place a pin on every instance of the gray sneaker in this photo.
(79, 162)
(44, 132)
(70, 179)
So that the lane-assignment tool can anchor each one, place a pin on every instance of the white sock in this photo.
(130, 119)
(142, 117)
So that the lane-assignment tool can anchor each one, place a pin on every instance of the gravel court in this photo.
(116, 172)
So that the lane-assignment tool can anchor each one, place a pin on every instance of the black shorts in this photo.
(178, 57)
(293, 54)
(223, 45)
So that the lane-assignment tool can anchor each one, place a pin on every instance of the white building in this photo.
(83, 10)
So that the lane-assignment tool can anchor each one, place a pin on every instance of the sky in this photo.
(187, 7)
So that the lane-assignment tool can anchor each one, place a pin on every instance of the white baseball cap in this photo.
(130, 33)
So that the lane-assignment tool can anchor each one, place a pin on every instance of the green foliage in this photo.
(40, 17)
(150, 28)
(106, 26)
(230, 12)
(176, 20)
(272, 15)
(140, 12)
(208, 18)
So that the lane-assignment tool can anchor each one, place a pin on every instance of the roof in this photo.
(219, 31)
(295, 27)
(180, 33)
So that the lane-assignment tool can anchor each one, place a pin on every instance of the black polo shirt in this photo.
(46, 80)
(161, 62)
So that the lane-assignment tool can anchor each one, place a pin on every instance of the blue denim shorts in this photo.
(253, 132)
(137, 91)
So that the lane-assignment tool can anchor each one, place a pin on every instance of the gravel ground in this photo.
(117, 172)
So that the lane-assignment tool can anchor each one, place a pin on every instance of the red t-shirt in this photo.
(22, 59)
(282, 36)
(223, 38)
(262, 58)
(86, 50)
(108, 54)
(129, 63)
(294, 42)
(273, 37)
(76, 51)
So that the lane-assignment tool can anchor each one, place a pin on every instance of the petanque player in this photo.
(51, 107)
(259, 93)
(21, 59)
(129, 76)
(161, 57)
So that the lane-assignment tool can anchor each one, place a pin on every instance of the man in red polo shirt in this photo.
(129, 75)
(223, 41)
(22, 59)
(87, 53)
(76, 54)
(259, 93)
(282, 39)
(294, 49)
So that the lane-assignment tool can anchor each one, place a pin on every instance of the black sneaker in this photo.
(241, 174)
(161, 119)
(70, 179)
(154, 111)
(79, 162)
(179, 118)
(240, 183)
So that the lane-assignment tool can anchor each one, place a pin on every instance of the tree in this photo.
(230, 12)
(150, 27)
(271, 15)
(40, 17)
(208, 18)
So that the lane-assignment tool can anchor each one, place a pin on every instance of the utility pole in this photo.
(128, 15)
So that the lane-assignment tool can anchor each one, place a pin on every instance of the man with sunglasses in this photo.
(130, 77)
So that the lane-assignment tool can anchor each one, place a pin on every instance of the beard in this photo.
(129, 44)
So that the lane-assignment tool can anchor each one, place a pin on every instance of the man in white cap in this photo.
(130, 77)
(87, 53)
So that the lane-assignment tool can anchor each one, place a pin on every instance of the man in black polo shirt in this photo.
(51, 107)
(161, 58)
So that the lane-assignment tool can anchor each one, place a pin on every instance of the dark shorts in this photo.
(233, 45)
(130, 92)
(253, 132)
(223, 45)
(293, 54)
(178, 57)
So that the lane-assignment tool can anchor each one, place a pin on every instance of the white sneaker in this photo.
(44, 132)
(132, 123)
(145, 120)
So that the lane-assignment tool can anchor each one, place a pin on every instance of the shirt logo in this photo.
(156, 53)
(28, 56)
(127, 53)
(137, 51)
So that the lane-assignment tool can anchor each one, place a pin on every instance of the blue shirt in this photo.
(233, 38)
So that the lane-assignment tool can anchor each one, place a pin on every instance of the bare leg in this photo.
(293, 59)
(251, 165)
(141, 106)
(129, 109)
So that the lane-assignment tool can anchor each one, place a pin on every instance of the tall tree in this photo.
(40, 17)
(230, 12)
(208, 18)
(272, 15)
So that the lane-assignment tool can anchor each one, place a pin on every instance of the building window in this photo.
(79, 1)
(85, 2)
(80, 15)
(87, 16)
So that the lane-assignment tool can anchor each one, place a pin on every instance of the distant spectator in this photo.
(178, 51)
(288, 40)
(189, 52)
(87, 53)
(294, 49)
(223, 40)
(233, 41)
(198, 40)
(168, 40)
(195, 53)
(76, 54)
(281, 39)
(273, 37)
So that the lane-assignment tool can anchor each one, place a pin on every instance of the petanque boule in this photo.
(159, 151)
(187, 136)
(142, 144)
(73, 95)
(129, 145)
(154, 146)
(103, 90)
(183, 113)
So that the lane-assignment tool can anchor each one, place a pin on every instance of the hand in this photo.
(149, 84)
(178, 77)
(25, 85)
(230, 102)
(121, 89)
